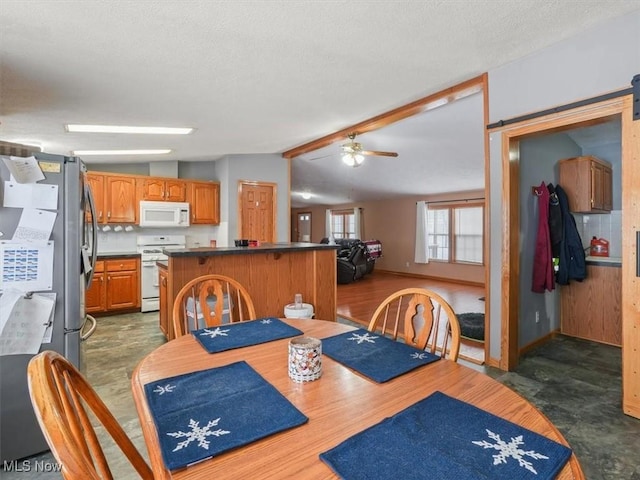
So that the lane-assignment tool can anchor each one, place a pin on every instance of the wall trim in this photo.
(539, 342)
(432, 277)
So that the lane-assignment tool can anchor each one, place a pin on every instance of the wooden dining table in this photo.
(340, 404)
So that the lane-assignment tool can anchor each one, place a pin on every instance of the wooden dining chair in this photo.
(415, 314)
(210, 300)
(63, 401)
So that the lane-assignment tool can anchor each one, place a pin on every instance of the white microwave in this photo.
(164, 214)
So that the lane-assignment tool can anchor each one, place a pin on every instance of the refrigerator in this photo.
(75, 247)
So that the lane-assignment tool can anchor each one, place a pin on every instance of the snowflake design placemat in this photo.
(242, 334)
(199, 415)
(374, 355)
(443, 437)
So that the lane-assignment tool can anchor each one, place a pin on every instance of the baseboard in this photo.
(493, 362)
(431, 277)
(540, 341)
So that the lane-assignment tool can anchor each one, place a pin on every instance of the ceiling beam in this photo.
(438, 99)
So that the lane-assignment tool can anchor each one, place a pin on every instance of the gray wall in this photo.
(538, 162)
(124, 168)
(600, 60)
(270, 168)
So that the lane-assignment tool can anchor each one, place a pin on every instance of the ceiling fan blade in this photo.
(320, 157)
(379, 154)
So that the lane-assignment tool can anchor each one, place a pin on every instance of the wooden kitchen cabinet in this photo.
(204, 198)
(115, 286)
(96, 295)
(163, 314)
(162, 189)
(587, 180)
(96, 183)
(114, 197)
(591, 309)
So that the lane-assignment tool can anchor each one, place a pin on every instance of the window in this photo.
(456, 234)
(343, 224)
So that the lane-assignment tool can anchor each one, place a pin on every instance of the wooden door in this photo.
(304, 227)
(257, 201)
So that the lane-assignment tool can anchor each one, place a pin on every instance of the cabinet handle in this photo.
(100, 214)
(109, 214)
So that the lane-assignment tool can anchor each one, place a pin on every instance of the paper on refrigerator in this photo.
(26, 324)
(35, 225)
(30, 195)
(26, 266)
(24, 169)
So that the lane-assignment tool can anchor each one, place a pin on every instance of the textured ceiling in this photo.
(260, 76)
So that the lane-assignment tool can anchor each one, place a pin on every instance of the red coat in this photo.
(542, 262)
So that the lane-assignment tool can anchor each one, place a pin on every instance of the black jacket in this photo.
(572, 259)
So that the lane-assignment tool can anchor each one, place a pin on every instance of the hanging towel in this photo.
(542, 263)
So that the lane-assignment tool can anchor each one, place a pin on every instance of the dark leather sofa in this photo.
(354, 260)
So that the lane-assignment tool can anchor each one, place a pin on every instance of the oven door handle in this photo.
(148, 264)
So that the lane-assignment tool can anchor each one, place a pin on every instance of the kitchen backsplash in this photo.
(607, 226)
(123, 239)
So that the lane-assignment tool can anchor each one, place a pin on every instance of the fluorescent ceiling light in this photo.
(123, 129)
(121, 152)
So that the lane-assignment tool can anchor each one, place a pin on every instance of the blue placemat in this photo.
(442, 437)
(375, 355)
(243, 334)
(201, 414)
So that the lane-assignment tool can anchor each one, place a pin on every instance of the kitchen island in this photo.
(272, 273)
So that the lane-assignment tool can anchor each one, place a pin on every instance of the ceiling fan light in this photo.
(352, 159)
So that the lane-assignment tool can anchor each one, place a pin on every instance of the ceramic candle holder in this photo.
(305, 359)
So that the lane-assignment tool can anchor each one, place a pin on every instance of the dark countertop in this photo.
(107, 255)
(263, 248)
(604, 261)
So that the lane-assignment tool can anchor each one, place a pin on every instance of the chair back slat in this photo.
(416, 318)
(63, 400)
(208, 299)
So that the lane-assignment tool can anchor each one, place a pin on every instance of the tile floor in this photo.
(575, 383)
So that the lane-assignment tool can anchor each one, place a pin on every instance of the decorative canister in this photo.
(305, 359)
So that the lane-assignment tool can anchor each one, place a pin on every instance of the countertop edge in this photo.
(106, 255)
(265, 248)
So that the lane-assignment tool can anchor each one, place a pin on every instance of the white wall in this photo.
(594, 62)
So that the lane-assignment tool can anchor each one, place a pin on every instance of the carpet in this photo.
(374, 355)
(201, 414)
(243, 334)
(442, 437)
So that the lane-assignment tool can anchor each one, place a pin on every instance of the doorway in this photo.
(303, 227)
(257, 210)
(592, 114)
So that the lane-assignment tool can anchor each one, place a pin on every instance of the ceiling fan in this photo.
(353, 154)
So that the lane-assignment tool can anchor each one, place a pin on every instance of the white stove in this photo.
(150, 249)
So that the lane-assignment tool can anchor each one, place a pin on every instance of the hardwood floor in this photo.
(357, 301)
